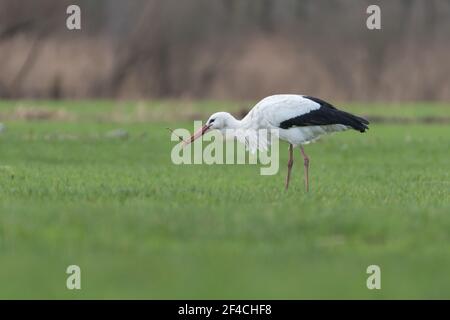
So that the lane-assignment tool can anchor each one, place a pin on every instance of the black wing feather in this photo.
(326, 115)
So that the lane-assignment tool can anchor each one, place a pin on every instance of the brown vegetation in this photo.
(226, 49)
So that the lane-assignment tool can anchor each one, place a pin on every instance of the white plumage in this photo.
(270, 112)
(297, 119)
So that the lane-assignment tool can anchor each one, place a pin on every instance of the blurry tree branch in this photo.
(226, 48)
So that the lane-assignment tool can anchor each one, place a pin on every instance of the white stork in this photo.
(299, 120)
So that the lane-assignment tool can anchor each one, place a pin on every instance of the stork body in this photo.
(299, 120)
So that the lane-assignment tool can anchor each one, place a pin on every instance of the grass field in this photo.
(141, 227)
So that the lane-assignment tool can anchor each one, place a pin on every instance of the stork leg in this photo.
(306, 165)
(290, 163)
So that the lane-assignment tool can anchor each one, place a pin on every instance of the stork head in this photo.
(219, 121)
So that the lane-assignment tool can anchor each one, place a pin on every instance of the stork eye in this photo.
(211, 121)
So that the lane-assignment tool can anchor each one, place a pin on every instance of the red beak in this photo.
(200, 132)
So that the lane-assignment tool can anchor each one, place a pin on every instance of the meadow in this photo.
(92, 184)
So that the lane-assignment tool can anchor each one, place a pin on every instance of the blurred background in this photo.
(225, 49)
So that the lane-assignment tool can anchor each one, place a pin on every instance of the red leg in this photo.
(290, 163)
(306, 164)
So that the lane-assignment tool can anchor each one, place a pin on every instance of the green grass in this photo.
(175, 110)
(141, 227)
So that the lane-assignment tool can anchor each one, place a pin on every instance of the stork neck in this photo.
(234, 123)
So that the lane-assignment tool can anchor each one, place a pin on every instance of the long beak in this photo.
(197, 134)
